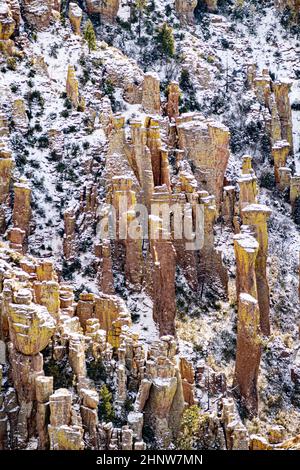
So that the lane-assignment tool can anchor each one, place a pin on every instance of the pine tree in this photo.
(166, 40)
(106, 408)
(90, 36)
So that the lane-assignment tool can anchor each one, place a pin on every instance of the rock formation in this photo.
(37, 14)
(108, 9)
(206, 144)
(248, 352)
(280, 152)
(173, 100)
(75, 16)
(6, 168)
(72, 87)
(151, 93)
(185, 10)
(256, 216)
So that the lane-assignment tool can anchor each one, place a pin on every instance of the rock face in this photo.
(281, 91)
(64, 435)
(108, 9)
(75, 16)
(173, 100)
(293, 5)
(163, 254)
(256, 216)
(185, 10)
(72, 87)
(151, 93)
(6, 168)
(161, 394)
(22, 205)
(31, 326)
(212, 5)
(248, 352)
(280, 152)
(37, 14)
(20, 118)
(7, 22)
(206, 143)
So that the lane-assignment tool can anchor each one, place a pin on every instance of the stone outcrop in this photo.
(6, 169)
(212, 270)
(256, 216)
(206, 144)
(44, 388)
(108, 9)
(185, 10)
(160, 395)
(248, 352)
(142, 160)
(151, 93)
(69, 242)
(294, 190)
(280, 152)
(212, 5)
(37, 14)
(75, 16)
(237, 437)
(7, 22)
(246, 249)
(22, 206)
(164, 266)
(173, 100)
(248, 189)
(19, 116)
(281, 92)
(64, 432)
(31, 326)
(72, 87)
(292, 5)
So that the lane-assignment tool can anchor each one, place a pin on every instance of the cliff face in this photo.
(149, 224)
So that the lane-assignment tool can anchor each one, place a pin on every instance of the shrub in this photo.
(11, 63)
(14, 87)
(43, 142)
(65, 113)
(189, 428)
(105, 408)
(267, 180)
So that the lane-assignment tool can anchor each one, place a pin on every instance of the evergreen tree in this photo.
(189, 429)
(90, 36)
(106, 408)
(166, 40)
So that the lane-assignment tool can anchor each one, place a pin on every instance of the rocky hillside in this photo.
(149, 224)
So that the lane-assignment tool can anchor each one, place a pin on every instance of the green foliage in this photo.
(109, 90)
(105, 407)
(267, 180)
(189, 100)
(96, 370)
(11, 63)
(185, 80)
(60, 371)
(90, 36)
(166, 40)
(189, 429)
